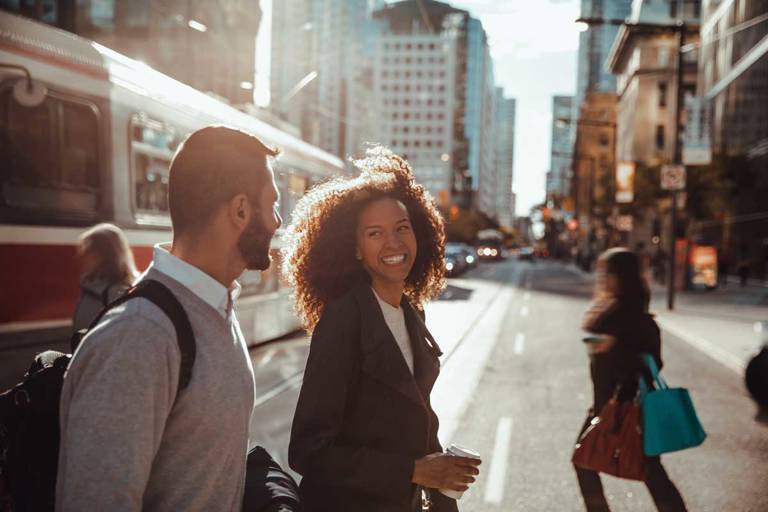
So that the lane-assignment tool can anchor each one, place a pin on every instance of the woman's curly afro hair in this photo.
(319, 256)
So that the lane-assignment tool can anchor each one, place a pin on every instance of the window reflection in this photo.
(153, 144)
(50, 155)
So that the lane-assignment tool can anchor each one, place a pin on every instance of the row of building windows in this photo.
(410, 46)
(407, 102)
(420, 74)
(412, 74)
(408, 88)
(417, 116)
(417, 129)
(437, 158)
(413, 60)
(417, 143)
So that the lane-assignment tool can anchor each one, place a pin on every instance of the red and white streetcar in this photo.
(89, 140)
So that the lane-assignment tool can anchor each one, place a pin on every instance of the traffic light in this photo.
(453, 212)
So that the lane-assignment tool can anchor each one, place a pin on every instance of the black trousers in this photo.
(663, 491)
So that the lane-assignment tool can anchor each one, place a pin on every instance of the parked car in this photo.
(490, 250)
(454, 265)
(470, 255)
(464, 253)
(526, 254)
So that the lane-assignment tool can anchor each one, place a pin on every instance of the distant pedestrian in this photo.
(644, 257)
(364, 256)
(722, 269)
(106, 271)
(619, 316)
(743, 270)
(660, 265)
(130, 440)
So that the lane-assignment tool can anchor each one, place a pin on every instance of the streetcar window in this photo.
(153, 145)
(292, 185)
(78, 153)
(50, 155)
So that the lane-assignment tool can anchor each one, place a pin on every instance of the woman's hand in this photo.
(444, 471)
(605, 344)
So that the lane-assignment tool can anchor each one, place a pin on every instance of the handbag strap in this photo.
(658, 380)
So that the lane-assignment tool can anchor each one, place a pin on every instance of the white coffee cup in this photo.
(459, 451)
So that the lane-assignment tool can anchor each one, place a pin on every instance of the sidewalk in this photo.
(721, 322)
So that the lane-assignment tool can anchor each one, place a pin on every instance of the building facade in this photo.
(733, 76)
(321, 74)
(505, 156)
(644, 60)
(471, 156)
(593, 168)
(210, 46)
(595, 44)
(479, 120)
(733, 79)
(413, 92)
(558, 178)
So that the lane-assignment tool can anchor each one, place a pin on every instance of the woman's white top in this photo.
(395, 319)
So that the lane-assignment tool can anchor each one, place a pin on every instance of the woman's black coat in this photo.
(362, 419)
(635, 332)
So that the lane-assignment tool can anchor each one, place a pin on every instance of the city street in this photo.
(516, 147)
(515, 387)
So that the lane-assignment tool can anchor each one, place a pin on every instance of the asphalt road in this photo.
(527, 405)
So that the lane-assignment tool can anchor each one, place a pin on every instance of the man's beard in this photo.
(254, 245)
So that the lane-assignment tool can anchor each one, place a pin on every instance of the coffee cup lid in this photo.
(461, 451)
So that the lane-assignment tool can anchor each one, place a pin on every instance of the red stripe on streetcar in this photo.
(41, 282)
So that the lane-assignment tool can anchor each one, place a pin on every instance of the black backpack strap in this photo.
(159, 294)
(162, 297)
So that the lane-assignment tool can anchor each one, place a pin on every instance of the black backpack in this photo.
(29, 424)
(29, 412)
(756, 377)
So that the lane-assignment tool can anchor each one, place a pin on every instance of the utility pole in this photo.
(678, 160)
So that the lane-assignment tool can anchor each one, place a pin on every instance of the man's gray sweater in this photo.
(125, 444)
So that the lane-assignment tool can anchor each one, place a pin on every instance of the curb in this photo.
(703, 345)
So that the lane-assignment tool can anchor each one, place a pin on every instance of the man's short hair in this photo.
(210, 167)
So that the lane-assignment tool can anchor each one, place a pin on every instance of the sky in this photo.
(534, 46)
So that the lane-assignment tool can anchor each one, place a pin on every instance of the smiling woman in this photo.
(325, 236)
(364, 254)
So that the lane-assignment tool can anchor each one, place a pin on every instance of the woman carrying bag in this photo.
(364, 254)
(623, 330)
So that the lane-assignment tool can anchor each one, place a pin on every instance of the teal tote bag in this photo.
(669, 418)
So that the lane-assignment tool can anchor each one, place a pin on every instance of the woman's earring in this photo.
(358, 256)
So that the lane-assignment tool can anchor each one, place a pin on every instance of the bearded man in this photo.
(132, 437)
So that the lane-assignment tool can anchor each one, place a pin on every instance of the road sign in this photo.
(673, 177)
(625, 182)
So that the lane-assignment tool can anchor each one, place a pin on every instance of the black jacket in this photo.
(636, 332)
(362, 419)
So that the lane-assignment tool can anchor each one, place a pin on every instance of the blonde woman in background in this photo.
(106, 271)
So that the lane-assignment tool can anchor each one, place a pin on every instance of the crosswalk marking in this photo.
(494, 488)
(527, 296)
(519, 343)
(524, 311)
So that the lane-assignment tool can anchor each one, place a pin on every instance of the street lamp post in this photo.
(678, 161)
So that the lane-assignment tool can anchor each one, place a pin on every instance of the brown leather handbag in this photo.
(613, 442)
